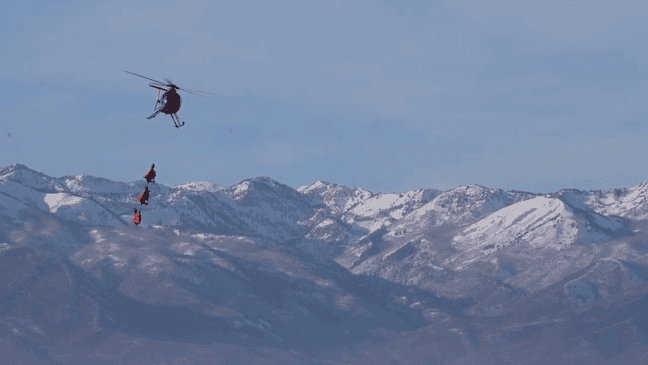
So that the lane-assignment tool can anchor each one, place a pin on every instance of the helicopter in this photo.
(169, 102)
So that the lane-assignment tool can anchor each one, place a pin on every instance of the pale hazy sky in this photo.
(385, 95)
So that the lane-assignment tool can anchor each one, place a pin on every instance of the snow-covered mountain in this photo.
(261, 264)
(258, 207)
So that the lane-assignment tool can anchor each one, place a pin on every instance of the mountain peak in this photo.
(472, 189)
(260, 180)
(31, 178)
(641, 185)
(260, 186)
(317, 186)
(17, 167)
(268, 182)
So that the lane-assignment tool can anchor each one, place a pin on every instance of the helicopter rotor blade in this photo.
(169, 83)
(196, 91)
(144, 77)
(187, 91)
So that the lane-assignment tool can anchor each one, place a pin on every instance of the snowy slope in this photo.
(338, 198)
(357, 204)
(270, 208)
(539, 222)
(62, 205)
(533, 243)
(628, 202)
(267, 209)
(229, 262)
(24, 194)
(605, 277)
(201, 186)
(29, 178)
(426, 237)
(179, 287)
(11, 206)
(381, 210)
(351, 213)
(460, 238)
(459, 206)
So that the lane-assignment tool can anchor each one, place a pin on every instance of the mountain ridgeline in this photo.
(259, 272)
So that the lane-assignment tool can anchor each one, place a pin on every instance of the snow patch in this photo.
(242, 188)
(201, 186)
(97, 236)
(56, 201)
(326, 222)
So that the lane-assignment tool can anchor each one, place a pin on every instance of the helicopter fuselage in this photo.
(170, 101)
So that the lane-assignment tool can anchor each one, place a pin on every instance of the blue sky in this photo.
(385, 95)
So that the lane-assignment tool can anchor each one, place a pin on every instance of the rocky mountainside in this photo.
(319, 274)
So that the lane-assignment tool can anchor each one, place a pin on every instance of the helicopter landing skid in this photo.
(176, 121)
(153, 115)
